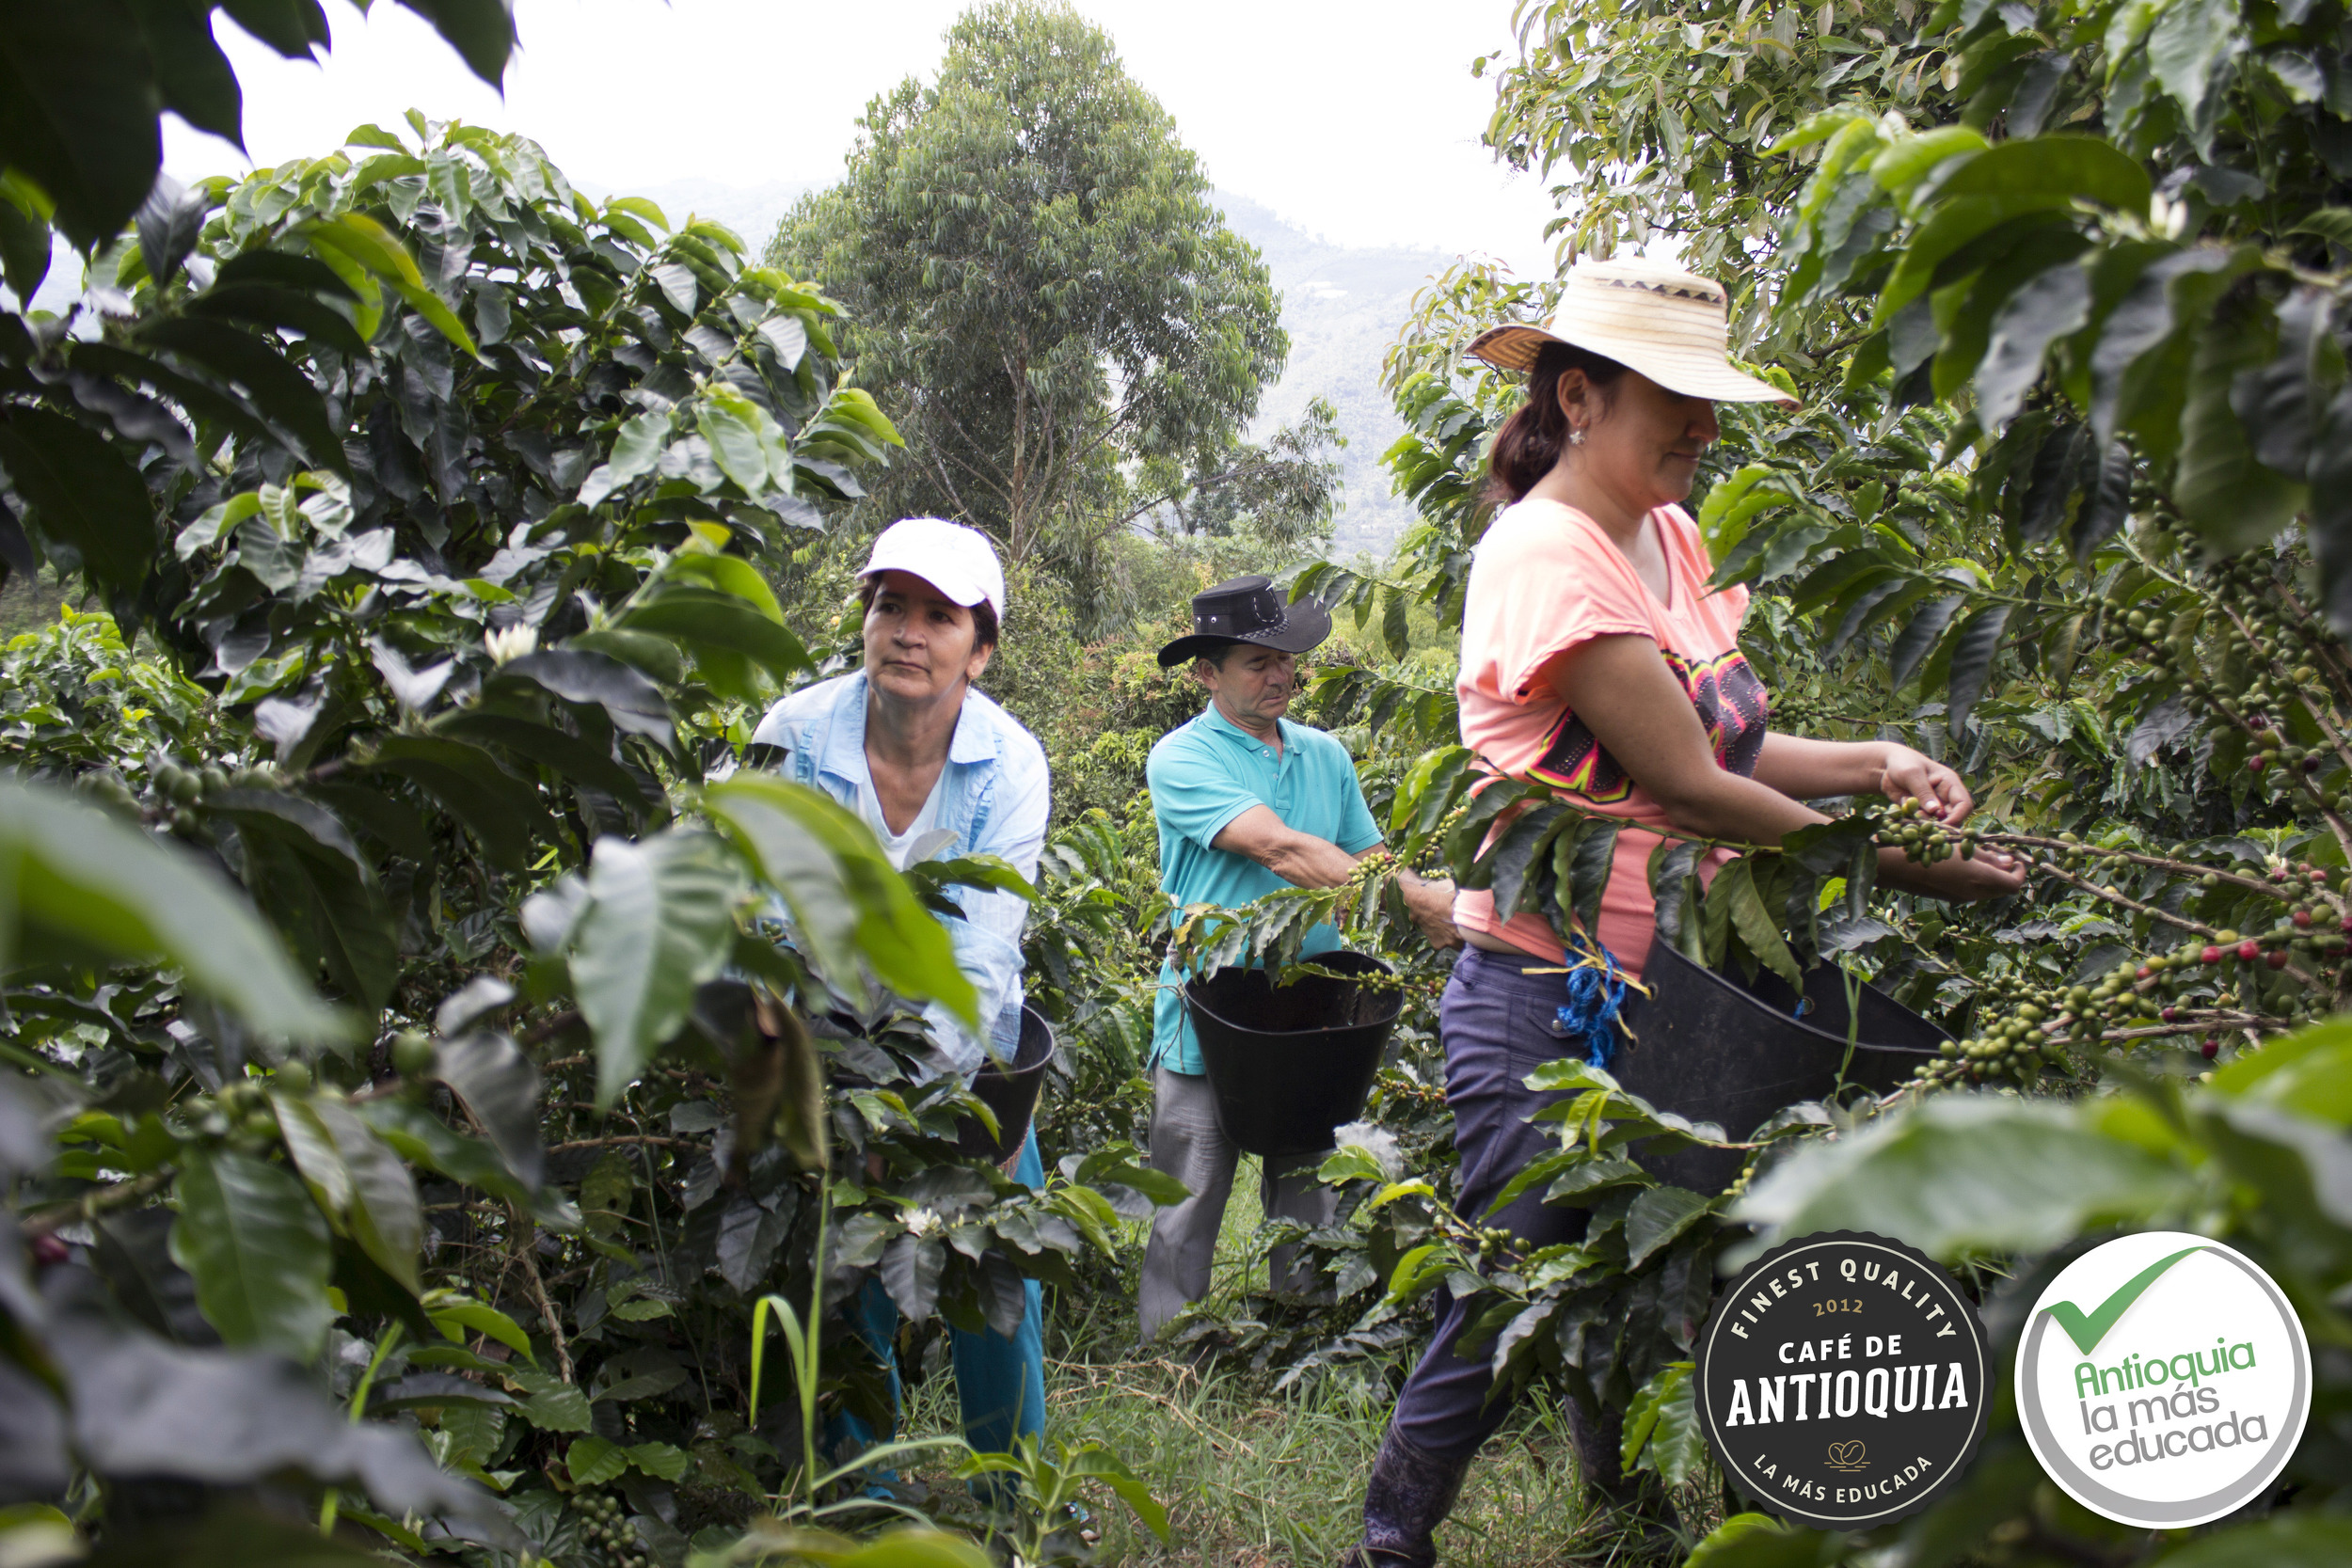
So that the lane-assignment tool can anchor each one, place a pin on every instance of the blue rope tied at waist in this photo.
(1597, 988)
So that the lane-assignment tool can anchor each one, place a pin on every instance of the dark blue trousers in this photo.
(1498, 1026)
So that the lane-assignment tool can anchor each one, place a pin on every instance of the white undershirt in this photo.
(900, 847)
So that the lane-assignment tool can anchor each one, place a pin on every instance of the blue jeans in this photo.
(999, 1382)
(1498, 1027)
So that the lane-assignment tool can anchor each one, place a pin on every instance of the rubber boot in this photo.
(1596, 1435)
(1407, 1497)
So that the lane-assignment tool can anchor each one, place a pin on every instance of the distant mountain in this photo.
(1342, 305)
(750, 210)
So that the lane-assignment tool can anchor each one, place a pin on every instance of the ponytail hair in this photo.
(1531, 441)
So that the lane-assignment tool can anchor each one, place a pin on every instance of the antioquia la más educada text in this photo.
(1799, 1489)
(2187, 1397)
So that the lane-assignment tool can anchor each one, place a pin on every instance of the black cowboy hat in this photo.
(1248, 609)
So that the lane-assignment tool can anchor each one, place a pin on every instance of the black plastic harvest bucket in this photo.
(1009, 1090)
(1287, 1064)
(1717, 1048)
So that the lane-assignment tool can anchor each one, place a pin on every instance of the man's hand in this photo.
(1910, 776)
(1431, 905)
(1303, 860)
(1299, 858)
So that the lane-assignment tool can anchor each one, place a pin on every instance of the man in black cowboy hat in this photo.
(1248, 803)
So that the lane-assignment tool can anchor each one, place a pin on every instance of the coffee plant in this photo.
(395, 1160)
(2060, 288)
(389, 1138)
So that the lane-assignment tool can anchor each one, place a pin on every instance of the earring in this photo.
(1576, 437)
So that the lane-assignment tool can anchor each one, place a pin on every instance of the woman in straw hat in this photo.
(1596, 658)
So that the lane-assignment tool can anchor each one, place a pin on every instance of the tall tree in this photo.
(1036, 261)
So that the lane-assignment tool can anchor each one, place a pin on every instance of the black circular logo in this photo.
(1843, 1381)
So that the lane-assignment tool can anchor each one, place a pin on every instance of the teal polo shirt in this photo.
(1203, 774)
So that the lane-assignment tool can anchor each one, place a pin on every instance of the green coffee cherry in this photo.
(412, 1053)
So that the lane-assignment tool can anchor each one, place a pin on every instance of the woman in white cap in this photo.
(938, 769)
(1596, 658)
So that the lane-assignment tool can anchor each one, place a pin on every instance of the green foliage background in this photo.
(384, 918)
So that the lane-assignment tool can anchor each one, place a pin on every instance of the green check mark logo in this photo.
(2088, 1328)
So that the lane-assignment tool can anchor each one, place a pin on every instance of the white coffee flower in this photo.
(512, 644)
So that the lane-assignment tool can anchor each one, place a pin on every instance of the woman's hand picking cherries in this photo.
(1910, 775)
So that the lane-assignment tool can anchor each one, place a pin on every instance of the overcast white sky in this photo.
(1356, 120)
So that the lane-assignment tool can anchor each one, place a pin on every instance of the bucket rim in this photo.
(1192, 1003)
(990, 1065)
(1677, 954)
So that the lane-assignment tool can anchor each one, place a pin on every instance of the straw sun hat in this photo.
(1667, 323)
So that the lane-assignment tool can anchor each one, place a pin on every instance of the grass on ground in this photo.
(28, 604)
(1252, 1479)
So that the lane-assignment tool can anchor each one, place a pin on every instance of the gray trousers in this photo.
(1186, 1145)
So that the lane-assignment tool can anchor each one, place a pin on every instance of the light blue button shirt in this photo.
(1203, 774)
(994, 794)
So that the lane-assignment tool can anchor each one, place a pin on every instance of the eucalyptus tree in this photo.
(1056, 313)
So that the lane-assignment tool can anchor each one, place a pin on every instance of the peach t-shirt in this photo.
(1544, 579)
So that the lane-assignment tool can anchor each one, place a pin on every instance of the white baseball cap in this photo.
(958, 561)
